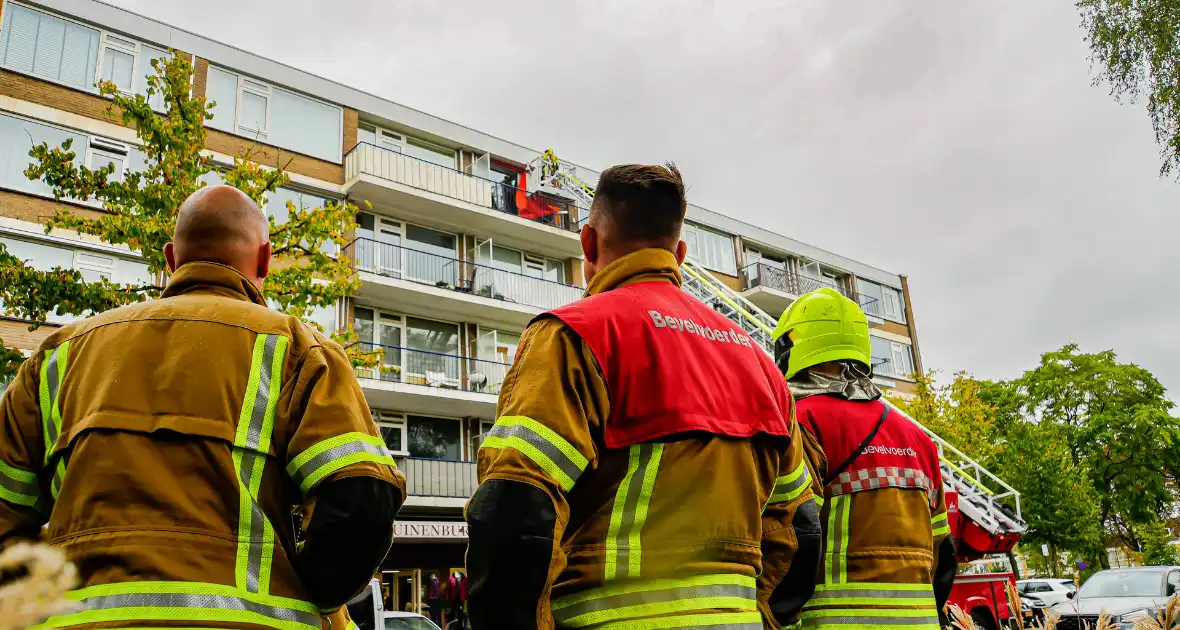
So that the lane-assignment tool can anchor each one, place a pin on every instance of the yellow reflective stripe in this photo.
(849, 618)
(18, 486)
(255, 552)
(856, 595)
(184, 601)
(556, 456)
(624, 549)
(871, 586)
(658, 584)
(717, 621)
(940, 526)
(328, 456)
(53, 372)
(790, 487)
(836, 549)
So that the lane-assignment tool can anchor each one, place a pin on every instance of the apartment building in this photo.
(457, 249)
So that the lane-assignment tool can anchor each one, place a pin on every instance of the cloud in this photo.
(960, 143)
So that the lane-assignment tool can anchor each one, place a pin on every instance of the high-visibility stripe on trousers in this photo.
(721, 601)
(862, 605)
(184, 602)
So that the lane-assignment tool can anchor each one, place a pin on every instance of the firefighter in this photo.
(643, 463)
(165, 444)
(888, 558)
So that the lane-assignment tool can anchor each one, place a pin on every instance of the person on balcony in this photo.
(644, 463)
(889, 559)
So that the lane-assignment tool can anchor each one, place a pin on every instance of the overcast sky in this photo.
(959, 143)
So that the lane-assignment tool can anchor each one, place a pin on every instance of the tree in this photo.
(1114, 419)
(1137, 45)
(957, 412)
(139, 211)
(1158, 549)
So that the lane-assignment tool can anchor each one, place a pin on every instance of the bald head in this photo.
(221, 224)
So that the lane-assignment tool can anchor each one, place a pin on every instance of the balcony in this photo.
(773, 289)
(441, 478)
(425, 284)
(439, 196)
(427, 382)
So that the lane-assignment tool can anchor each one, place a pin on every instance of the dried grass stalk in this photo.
(1165, 619)
(1015, 605)
(960, 620)
(38, 595)
(1051, 621)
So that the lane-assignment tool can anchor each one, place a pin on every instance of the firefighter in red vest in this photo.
(888, 558)
(643, 464)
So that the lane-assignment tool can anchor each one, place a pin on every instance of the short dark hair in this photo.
(644, 202)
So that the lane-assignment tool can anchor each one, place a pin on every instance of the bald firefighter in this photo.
(643, 471)
(165, 444)
(888, 559)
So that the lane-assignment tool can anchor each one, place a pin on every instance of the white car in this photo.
(1045, 592)
(407, 621)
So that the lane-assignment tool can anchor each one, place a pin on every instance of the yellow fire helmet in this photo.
(821, 326)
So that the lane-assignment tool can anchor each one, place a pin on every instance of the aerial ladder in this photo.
(990, 518)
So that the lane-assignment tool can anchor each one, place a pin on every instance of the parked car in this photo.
(407, 621)
(1123, 594)
(1037, 594)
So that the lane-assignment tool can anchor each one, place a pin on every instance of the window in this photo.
(93, 266)
(497, 345)
(49, 47)
(106, 153)
(891, 304)
(279, 117)
(17, 136)
(434, 438)
(376, 136)
(76, 55)
(276, 206)
(429, 152)
(898, 358)
(712, 250)
(887, 301)
(393, 431)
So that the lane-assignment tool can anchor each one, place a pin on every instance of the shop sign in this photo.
(430, 530)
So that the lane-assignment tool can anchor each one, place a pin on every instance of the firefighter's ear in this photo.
(681, 252)
(264, 254)
(590, 243)
(170, 257)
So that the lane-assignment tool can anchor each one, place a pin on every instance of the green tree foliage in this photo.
(1136, 43)
(139, 211)
(1158, 549)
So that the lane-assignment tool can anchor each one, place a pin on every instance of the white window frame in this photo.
(892, 304)
(103, 147)
(81, 264)
(123, 45)
(394, 420)
(247, 85)
(386, 139)
(901, 350)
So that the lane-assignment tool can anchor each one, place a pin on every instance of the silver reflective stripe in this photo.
(257, 527)
(29, 489)
(786, 491)
(208, 602)
(852, 593)
(526, 434)
(868, 621)
(332, 454)
(262, 396)
(653, 597)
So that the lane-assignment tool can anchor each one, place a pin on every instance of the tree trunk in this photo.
(1056, 566)
(1015, 565)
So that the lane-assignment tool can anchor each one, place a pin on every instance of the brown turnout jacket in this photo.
(165, 446)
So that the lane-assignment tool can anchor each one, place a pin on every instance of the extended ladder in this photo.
(559, 174)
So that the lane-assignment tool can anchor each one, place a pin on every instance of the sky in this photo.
(960, 143)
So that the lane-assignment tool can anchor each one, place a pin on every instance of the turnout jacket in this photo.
(644, 465)
(888, 559)
(165, 446)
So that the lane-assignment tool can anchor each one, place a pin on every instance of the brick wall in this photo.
(200, 77)
(56, 96)
(351, 120)
(272, 156)
(16, 334)
(912, 328)
(36, 209)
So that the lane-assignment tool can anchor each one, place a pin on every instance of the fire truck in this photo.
(983, 511)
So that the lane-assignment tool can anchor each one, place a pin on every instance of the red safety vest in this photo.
(899, 456)
(673, 365)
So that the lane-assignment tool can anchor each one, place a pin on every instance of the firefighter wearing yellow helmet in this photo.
(888, 557)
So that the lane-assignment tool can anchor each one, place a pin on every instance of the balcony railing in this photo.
(395, 261)
(536, 206)
(383, 163)
(438, 477)
(775, 277)
(435, 369)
